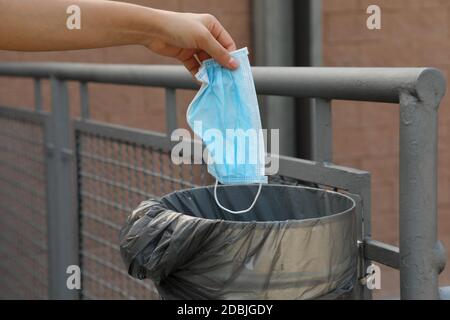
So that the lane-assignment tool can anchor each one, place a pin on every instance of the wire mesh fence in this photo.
(114, 176)
(23, 223)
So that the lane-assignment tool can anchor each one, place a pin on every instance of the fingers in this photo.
(217, 42)
(219, 53)
(222, 36)
(202, 56)
(192, 65)
(187, 57)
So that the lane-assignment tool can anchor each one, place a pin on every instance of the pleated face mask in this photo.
(225, 115)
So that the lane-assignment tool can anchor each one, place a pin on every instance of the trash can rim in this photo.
(290, 222)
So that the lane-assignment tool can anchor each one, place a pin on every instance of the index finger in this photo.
(222, 36)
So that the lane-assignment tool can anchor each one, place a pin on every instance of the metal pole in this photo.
(38, 95)
(418, 190)
(321, 130)
(274, 46)
(420, 252)
(171, 111)
(84, 101)
(308, 52)
(337, 83)
(62, 218)
(315, 33)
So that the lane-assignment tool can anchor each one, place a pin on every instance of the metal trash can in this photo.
(296, 243)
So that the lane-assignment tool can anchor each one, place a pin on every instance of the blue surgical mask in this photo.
(225, 115)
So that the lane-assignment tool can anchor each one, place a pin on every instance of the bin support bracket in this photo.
(381, 252)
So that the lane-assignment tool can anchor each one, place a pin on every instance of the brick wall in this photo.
(413, 33)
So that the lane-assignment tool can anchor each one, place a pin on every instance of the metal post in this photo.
(62, 219)
(321, 130)
(418, 191)
(308, 52)
(274, 45)
(37, 95)
(84, 100)
(315, 33)
(171, 111)
(420, 252)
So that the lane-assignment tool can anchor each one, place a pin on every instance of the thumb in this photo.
(219, 53)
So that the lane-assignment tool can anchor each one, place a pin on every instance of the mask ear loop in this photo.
(240, 211)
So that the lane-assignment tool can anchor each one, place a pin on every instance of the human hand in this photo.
(186, 35)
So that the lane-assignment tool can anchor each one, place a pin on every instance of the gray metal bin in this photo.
(296, 243)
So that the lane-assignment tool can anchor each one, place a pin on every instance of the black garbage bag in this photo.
(296, 243)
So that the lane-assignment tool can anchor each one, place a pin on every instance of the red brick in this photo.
(424, 24)
(444, 135)
(345, 27)
(344, 55)
(16, 92)
(390, 4)
(381, 141)
(345, 114)
(347, 143)
(339, 5)
(379, 114)
(386, 53)
(384, 169)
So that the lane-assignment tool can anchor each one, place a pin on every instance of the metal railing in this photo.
(89, 174)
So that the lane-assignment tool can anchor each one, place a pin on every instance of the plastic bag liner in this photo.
(296, 243)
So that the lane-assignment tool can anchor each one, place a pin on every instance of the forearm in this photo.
(42, 25)
(30, 25)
